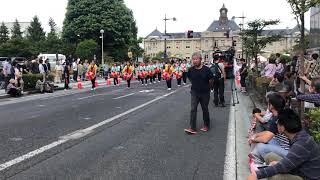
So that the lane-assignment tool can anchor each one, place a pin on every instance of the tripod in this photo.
(234, 89)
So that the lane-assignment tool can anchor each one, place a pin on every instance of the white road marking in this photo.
(230, 168)
(124, 96)
(90, 96)
(41, 105)
(16, 139)
(147, 91)
(31, 154)
(75, 135)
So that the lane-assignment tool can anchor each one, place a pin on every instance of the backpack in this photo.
(216, 71)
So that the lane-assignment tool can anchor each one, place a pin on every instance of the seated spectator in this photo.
(253, 122)
(2, 79)
(314, 89)
(271, 140)
(12, 89)
(303, 158)
(262, 118)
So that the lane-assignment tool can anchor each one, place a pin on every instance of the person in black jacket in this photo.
(66, 73)
(201, 79)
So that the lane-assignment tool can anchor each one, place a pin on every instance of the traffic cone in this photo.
(119, 81)
(134, 78)
(108, 82)
(79, 84)
(96, 84)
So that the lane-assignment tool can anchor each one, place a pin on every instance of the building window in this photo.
(168, 47)
(187, 57)
(188, 47)
(222, 43)
(216, 44)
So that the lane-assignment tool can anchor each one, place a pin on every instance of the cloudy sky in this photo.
(191, 15)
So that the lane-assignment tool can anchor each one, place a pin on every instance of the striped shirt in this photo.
(303, 159)
(280, 138)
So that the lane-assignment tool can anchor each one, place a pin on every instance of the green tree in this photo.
(87, 17)
(4, 33)
(16, 30)
(136, 49)
(299, 8)
(35, 32)
(53, 42)
(17, 47)
(86, 49)
(254, 41)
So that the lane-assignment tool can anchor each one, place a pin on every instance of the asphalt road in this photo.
(124, 133)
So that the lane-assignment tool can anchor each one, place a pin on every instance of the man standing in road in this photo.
(201, 79)
(219, 76)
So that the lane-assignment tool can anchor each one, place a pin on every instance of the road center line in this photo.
(124, 96)
(64, 139)
(90, 96)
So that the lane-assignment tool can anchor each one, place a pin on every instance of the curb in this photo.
(5, 96)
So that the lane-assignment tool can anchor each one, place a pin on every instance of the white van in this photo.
(53, 58)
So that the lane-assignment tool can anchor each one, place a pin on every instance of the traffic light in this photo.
(234, 43)
(190, 34)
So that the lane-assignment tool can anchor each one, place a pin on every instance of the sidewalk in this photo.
(243, 113)
(60, 86)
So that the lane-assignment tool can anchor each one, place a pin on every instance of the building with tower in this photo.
(222, 34)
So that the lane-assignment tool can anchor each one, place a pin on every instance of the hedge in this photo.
(30, 80)
(314, 126)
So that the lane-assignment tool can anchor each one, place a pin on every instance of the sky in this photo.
(149, 14)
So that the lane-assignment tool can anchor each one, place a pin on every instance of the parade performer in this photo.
(115, 73)
(159, 67)
(178, 74)
(167, 74)
(184, 71)
(128, 73)
(151, 72)
(92, 74)
(142, 73)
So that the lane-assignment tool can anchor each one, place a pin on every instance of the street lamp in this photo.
(102, 58)
(241, 29)
(165, 34)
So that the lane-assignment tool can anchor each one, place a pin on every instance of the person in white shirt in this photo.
(58, 69)
(42, 70)
(75, 70)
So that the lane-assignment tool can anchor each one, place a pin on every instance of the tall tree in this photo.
(86, 49)
(87, 17)
(53, 43)
(299, 8)
(4, 33)
(35, 32)
(253, 39)
(53, 26)
(16, 30)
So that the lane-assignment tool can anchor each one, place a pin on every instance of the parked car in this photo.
(19, 59)
(53, 58)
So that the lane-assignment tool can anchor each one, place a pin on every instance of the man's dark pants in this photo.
(203, 99)
(218, 86)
